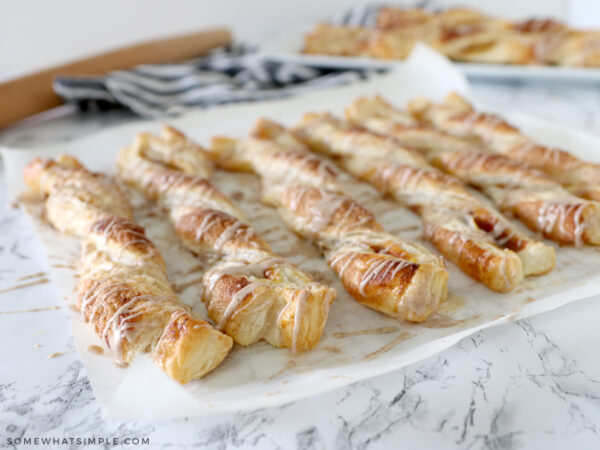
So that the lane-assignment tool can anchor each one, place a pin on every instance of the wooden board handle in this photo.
(32, 94)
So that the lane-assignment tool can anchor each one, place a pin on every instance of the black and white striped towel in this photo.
(226, 75)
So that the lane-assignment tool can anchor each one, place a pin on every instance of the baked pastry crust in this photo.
(391, 275)
(123, 290)
(250, 292)
(515, 187)
(464, 228)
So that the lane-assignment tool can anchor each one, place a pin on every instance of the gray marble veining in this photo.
(530, 384)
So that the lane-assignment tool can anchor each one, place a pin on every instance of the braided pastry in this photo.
(250, 292)
(538, 201)
(123, 288)
(455, 115)
(396, 277)
(464, 228)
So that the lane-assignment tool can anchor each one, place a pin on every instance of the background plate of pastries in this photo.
(480, 44)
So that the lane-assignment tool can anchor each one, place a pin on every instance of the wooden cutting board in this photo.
(31, 94)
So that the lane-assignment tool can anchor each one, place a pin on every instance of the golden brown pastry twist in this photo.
(123, 289)
(515, 187)
(456, 116)
(464, 228)
(250, 292)
(386, 273)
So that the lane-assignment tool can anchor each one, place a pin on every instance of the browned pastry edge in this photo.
(201, 344)
(499, 272)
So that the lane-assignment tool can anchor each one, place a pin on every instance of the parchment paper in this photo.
(259, 375)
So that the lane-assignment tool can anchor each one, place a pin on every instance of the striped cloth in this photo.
(226, 75)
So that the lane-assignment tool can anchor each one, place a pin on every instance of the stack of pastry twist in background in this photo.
(462, 35)
(123, 289)
(250, 292)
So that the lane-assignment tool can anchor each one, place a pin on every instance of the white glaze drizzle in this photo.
(556, 214)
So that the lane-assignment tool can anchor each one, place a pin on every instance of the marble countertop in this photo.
(534, 383)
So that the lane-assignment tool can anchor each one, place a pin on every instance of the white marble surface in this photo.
(530, 384)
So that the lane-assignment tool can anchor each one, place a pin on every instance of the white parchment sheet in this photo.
(259, 375)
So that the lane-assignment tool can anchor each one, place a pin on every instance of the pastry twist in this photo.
(455, 115)
(123, 288)
(515, 187)
(465, 229)
(250, 292)
(396, 277)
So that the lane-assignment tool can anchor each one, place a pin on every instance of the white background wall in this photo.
(38, 33)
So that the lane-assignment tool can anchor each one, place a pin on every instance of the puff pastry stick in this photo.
(123, 288)
(250, 292)
(485, 245)
(455, 115)
(394, 276)
(537, 200)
